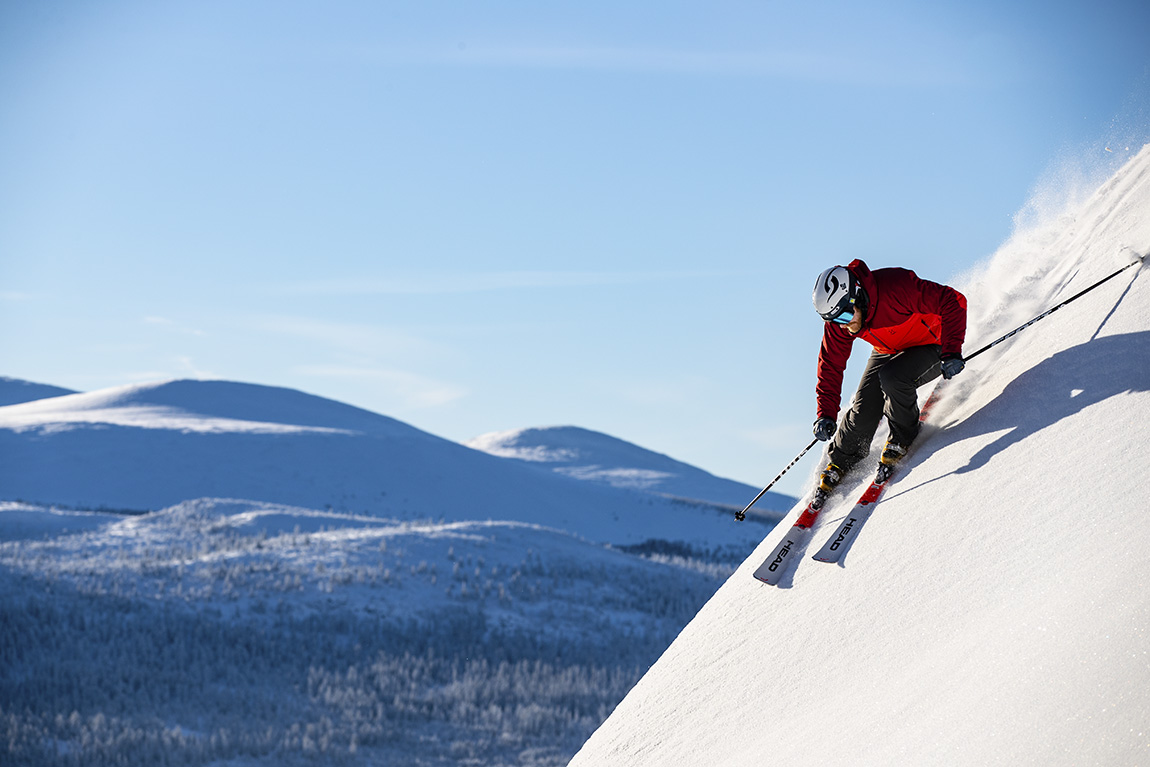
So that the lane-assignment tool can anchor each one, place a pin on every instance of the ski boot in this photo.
(829, 479)
(891, 455)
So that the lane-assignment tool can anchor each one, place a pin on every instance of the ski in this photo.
(773, 568)
(794, 542)
(844, 536)
(842, 539)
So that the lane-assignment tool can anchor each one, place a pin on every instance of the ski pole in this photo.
(1053, 309)
(741, 515)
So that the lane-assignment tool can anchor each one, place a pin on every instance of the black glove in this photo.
(824, 429)
(952, 365)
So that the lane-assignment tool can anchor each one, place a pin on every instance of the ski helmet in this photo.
(835, 294)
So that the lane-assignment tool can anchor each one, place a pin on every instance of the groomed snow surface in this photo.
(994, 609)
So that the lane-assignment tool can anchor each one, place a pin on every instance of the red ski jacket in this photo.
(904, 311)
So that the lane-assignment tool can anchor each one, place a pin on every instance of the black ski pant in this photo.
(889, 387)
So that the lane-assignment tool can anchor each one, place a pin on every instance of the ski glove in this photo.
(824, 429)
(952, 365)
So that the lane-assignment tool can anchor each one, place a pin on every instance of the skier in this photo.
(916, 328)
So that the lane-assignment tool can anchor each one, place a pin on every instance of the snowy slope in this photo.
(994, 609)
(147, 447)
(24, 521)
(597, 457)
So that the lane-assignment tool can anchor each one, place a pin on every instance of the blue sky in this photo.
(485, 216)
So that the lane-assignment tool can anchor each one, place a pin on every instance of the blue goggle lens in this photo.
(844, 317)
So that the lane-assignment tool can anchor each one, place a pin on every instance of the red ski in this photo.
(844, 536)
(795, 541)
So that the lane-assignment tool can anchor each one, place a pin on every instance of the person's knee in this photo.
(892, 382)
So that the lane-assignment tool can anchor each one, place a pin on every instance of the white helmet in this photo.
(835, 292)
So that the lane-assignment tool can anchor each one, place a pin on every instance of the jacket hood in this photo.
(866, 280)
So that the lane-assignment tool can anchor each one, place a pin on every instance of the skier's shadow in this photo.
(1058, 387)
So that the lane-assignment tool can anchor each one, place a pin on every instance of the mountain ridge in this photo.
(594, 456)
(150, 446)
(15, 391)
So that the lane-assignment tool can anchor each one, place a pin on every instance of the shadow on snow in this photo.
(1059, 387)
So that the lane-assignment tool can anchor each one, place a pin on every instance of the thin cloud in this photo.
(172, 325)
(189, 367)
(962, 62)
(414, 390)
(358, 338)
(433, 283)
(661, 392)
(15, 296)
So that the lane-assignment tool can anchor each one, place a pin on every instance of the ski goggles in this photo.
(844, 317)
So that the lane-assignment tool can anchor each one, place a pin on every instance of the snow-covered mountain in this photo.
(387, 593)
(13, 391)
(993, 610)
(151, 446)
(597, 457)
